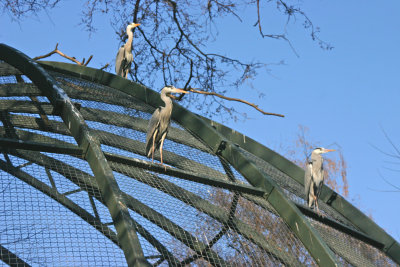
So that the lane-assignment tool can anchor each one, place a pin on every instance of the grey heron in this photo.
(124, 58)
(158, 125)
(314, 176)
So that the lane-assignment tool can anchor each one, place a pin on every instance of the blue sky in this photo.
(345, 95)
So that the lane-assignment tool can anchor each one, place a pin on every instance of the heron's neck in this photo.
(317, 157)
(128, 45)
(167, 100)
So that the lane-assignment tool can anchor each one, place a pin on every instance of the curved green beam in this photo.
(322, 254)
(88, 182)
(74, 121)
(60, 198)
(11, 258)
(356, 217)
(109, 139)
(82, 213)
(264, 153)
(151, 180)
(215, 212)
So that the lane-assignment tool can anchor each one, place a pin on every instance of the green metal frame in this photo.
(222, 146)
(74, 121)
(10, 258)
(79, 178)
(390, 246)
(133, 123)
(36, 142)
(60, 198)
(224, 142)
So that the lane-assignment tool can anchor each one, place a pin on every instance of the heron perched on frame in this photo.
(158, 125)
(314, 176)
(124, 58)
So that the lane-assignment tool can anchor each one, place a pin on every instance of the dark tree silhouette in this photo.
(23, 8)
(171, 45)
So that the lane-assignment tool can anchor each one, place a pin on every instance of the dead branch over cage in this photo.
(73, 59)
(172, 46)
(105, 66)
(195, 90)
(174, 40)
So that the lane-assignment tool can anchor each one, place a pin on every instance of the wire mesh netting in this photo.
(294, 190)
(191, 221)
(353, 251)
(54, 213)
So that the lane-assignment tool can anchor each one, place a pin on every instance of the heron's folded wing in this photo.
(307, 179)
(119, 61)
(151, 128)
(320, 184)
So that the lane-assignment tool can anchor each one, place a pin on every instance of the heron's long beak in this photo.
(176, 90)
(135, 25)
(329, 150)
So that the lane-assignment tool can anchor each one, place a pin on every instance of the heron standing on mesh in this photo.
(124, 58)
(158, 125)
(314, 176)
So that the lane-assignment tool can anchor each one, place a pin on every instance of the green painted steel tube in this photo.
(111, 193)
(29, 145)
(289, 212)
(83, 180)
(60, 198)
(11, 258)
(59, 127)
(345, 208)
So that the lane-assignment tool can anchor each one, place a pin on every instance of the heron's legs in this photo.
(161, 148)
(153, 146)
(311, 197)
(316, 205)
(152, 153)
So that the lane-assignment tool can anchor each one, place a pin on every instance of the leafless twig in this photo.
(105, 66)
(73, 59)
(195, 90)
(172, 45)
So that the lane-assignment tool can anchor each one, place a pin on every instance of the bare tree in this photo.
(23, 8)
(171, 45)
(392, 162)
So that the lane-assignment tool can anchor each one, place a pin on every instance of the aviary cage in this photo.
(77, 190)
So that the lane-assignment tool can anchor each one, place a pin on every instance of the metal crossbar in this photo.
(221, 200)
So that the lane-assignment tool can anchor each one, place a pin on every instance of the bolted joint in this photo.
(58, 107)
(221, 147)
(331, 198)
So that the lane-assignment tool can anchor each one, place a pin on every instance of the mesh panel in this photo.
(54, 214)
(353, 251)
(294, 190)
(52, 211)
(120, 122)
(43, 227)
(193, 222)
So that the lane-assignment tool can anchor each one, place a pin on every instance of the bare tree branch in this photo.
(173, 40)
(292, 11)
(171, 45)
(73, 59)
(104, 67)
(389, 183)
(385, 153)
(187, 82)
(234, 99)
(22, 8)
(396, 149)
